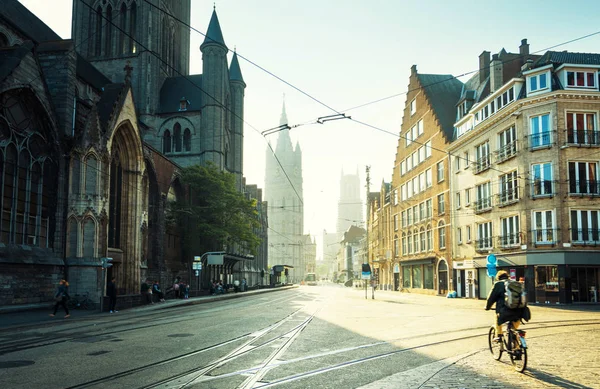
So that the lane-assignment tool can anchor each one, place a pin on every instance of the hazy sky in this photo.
(348, 52)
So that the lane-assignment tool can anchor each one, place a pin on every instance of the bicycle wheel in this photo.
(518, 354)
(72, 303)
(495, 347)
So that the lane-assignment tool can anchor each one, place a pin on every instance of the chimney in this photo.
(524, 49)
(413, 70)
(484, 66)
(496, 74)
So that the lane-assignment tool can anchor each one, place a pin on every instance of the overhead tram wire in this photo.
(199, 88)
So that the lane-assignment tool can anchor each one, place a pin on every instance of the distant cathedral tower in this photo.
(169, 101)
(350, 205)
(286, 209)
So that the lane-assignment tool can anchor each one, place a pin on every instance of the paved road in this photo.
(310, 337)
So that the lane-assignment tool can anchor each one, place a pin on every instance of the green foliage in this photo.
(216, 216)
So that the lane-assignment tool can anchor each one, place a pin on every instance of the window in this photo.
(403, 218)
(413, 107)
(581, 79)
(428, 181)
(468, 228)
(403, 167)
(416, 241)
(484, 236)
(543, 227)
(540, 131)
(428, 209)
(538, 82)
(422, 238)
(167, 142)
(427, 149)
(507, 142)
(457, 164)
(404, 252)
(177, 137)
(403, 192)
(409, 217)
(420, 129)
(441, 205)
(422, 214)
(581, 129)
(429, 238)
(510, 231)
(396, 246)
(409, 242)
(542, 179)
(457, 200)
(466, 158)
(422, 182)
(467, 197)
(395, 196)
(187, 140)
(406, 278)
(395, 222)
(583, 178)
(441, 235)
(415, 211)
(440, 171)
(108, 29)
(482, 157)
(509, 188)
(584, 226)
(459, 235)
(484, 198)
(416, 276)
(408, 138)
(122, 49)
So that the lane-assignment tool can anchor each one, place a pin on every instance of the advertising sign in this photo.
(513, 274)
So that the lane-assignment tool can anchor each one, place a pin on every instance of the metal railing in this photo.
(542, 188)
(582, 137)
(484, 244)
(585, 235)
(542, 139)
(510, 240)
(507, 197)
(481, 164)
(506, 152)
(544, 236)
(584, 187)
(482, 205)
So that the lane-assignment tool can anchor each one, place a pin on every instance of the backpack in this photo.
(514, 296)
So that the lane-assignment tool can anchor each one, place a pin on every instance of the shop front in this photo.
(465, 276)
(418, 275)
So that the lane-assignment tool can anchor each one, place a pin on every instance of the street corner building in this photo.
(94, 131)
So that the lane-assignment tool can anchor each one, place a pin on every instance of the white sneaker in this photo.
(111, 311)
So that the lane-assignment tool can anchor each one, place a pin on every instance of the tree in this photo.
(216, 216)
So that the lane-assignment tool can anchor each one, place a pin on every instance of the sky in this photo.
(338, 54)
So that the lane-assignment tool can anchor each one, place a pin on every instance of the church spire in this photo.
(214, 34)
(283, 120)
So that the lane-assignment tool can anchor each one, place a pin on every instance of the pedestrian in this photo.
(244, 284)
(156, 290)
(176, 287)
(147, 292)
(111, 292)
(60, 297)
(181, 289)
(187, 291)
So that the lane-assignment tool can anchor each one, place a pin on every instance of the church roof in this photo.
(108, 101)
(235, 73)
(11, 57)
(90, 74)
(174, 88)
(214, 34)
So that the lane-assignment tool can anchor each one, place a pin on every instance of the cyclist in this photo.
(503, 313)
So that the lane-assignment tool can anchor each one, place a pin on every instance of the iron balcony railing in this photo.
(541, 139)
(542, 188)
(482, 205)
(481, 164)
(582, 137)
(507, 197)
(484, 244)
(506, 152)
(585, 235)
(584, 187)
(544, 236)
(509, 241)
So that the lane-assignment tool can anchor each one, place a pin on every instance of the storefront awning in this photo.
(420, 261)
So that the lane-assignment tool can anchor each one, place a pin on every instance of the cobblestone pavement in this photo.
(569, 359)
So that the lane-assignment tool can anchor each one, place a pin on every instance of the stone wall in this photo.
(28, 284)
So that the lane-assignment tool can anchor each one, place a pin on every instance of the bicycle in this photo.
(81, 301)
(514, 344)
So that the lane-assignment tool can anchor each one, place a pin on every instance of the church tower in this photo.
(286, 204)
(350, 205)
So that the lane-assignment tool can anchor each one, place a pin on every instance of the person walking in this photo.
(111, 292)
(61, 296)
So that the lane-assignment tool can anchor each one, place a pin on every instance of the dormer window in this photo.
(581, 79)
(183, 104)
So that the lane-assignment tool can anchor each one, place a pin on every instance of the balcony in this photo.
(509, 241)
(540, 237)
(585, 236)
(483, 244)
(506, 152)
(582, 138)
(540, 140)
(483, 205)
(508, 197)
(481, 164)
(542, 188)
(584, 187)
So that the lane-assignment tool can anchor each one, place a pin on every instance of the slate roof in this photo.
(88, 73)
(235, 73)
(174, 88)
(108, 101)
(11, 57)
(560, 57)
(18, 16)
(214, 34)
(442, 91)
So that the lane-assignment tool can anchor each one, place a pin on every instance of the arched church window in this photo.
(75, 175)
(27, 194)
(164, 40)
(123, 26)
(187, 140)
(116, 195)
(98, 46)
(227, 155)
(132, 26)
(89, 238)
(167, 142)
(3, 41)
(177, 137)
(108, 37)
(72, 228)
(91, 176)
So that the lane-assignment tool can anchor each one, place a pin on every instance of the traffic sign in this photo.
(492, 260)
(491, 270)
(366, 275)
(197, 265)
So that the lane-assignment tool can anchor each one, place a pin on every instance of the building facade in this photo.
(528, 192)
(350, 211)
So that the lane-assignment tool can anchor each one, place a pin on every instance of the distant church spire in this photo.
(283, 120)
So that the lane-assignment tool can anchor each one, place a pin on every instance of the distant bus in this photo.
(310, 279)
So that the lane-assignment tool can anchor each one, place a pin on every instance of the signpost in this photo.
(106, 263)
(492, 261)
(366, 275)
(197, 266)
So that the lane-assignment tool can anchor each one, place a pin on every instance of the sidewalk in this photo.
(37, 314)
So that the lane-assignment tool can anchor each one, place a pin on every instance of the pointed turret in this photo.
(214, 34)
(235, 73)
(283, 119)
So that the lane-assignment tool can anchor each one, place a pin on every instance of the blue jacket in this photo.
(62, 291)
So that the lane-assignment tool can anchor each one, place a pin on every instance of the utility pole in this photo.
(368, 214)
